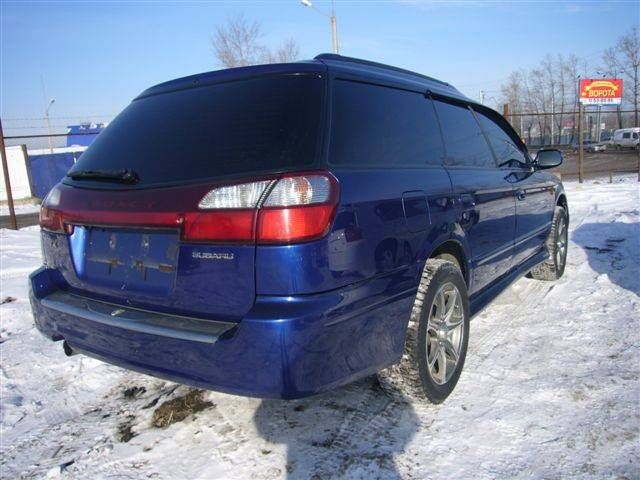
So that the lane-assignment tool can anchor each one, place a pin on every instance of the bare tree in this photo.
(624, 60)
(550, 87)
(571, 78)
(288, 51)
(238, 43)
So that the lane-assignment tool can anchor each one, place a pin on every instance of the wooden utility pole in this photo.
(580, 142)
(7, 182)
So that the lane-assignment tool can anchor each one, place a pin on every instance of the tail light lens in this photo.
(287, 210)
(294, 208)
(51, 219)
(243, 195)
(298, 208)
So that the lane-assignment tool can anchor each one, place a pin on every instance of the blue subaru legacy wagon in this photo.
(281, 230)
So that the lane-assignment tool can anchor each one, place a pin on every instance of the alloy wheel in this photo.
(445, 332)
(561, 243)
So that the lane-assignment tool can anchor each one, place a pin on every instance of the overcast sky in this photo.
(95, 57)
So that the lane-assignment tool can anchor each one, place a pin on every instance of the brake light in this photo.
(299, 208)
(291, 209)
(294, 208)
(50, 219)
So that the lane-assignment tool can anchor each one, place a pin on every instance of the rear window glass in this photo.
(376, 126)
(254, 125)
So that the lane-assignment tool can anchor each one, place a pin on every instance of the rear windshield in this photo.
(246, 126)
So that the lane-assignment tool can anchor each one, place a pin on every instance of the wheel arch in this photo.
(457, 250)
(562, 201)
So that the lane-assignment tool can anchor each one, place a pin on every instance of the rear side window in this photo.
(503, 146)
(466, 144)
(375, 126)
(255, 125)
(626, 135)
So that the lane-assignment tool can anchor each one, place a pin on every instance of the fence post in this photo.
(27, 166)
(7, 182)
(505, 112)
(580, 144)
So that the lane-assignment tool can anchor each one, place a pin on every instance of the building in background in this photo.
(83, 134)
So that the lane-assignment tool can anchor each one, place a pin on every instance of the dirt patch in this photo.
(125, 433)
(179, 408)
(125, 429)
(133, 392)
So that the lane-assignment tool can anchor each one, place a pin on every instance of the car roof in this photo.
(338, 64)
(342, 65)
(230, 74)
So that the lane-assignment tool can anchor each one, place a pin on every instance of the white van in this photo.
(626, 138)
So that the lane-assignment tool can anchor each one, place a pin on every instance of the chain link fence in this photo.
(602, 156)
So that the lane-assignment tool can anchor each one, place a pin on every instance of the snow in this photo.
(46, 151)
(550, 389)
(20, 208)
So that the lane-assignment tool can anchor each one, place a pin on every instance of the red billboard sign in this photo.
(604, 91)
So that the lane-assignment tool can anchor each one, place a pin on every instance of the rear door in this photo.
(482, 194)
(387, 152)
(153, 241)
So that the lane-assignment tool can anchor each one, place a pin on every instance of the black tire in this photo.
(413, 376)
(553, 268)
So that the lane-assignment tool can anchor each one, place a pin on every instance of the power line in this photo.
(83, 116)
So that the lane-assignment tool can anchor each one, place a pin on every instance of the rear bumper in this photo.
(285, 347)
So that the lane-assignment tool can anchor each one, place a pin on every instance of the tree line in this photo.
(552, 87)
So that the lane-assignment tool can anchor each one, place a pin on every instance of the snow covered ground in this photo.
(550, 389)
(20, 208)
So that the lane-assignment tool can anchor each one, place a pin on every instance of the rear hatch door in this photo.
(127, 236)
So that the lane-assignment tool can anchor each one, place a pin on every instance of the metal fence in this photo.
(562, 127)
(538, 130)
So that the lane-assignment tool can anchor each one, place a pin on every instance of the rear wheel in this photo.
(557, 243)
(437, 336)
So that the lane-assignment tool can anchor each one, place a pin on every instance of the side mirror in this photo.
(548, 158)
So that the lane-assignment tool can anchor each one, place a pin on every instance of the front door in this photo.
(483, 197)
(533, 190)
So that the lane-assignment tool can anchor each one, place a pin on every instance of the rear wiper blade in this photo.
(117, 176)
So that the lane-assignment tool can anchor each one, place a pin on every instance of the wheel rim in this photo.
(445, 332)
(561, 243)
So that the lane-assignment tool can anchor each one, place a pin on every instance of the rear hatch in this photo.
(160, 212)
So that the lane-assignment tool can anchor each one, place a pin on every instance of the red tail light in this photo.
(219, 226)
(298, 208)
(293, 208)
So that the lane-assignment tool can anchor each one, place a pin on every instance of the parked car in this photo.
(280, 230)
(626, 138)
(589, 146)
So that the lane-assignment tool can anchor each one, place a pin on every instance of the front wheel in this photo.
(437, 336)
(557, 243)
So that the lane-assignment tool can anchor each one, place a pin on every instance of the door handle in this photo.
(520, 194)
(467, 200)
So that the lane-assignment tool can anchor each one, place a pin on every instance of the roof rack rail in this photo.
(334, 56)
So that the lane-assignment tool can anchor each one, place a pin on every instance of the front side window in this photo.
(503, 146)
(465, 143)
(376, 126)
